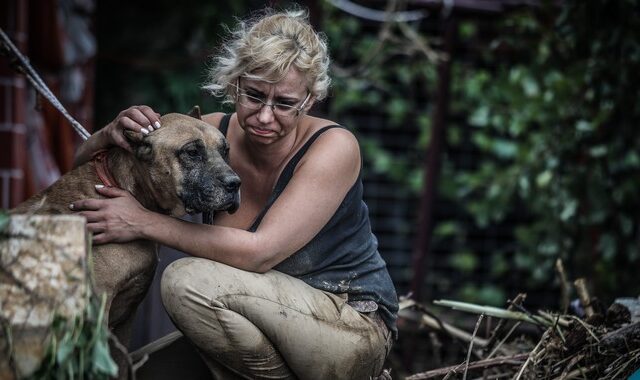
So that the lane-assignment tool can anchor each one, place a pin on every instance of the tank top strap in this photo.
(287, 173)
(224, 124)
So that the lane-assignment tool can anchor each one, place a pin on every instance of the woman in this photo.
(290, 285)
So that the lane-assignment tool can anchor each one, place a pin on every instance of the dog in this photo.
(180, 168)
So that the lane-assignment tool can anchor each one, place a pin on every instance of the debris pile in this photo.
(593, 342)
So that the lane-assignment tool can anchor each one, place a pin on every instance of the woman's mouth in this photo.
(262, 131)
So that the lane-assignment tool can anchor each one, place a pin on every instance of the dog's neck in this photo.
(132, 176)
(101, 163)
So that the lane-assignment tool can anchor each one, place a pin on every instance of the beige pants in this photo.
(270, 326)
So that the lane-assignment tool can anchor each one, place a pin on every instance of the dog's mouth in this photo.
(215, 201)
(233, 205)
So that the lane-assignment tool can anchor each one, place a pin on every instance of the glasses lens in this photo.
(250, 101)
(254, 103)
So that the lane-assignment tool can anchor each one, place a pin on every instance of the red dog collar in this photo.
(100, 160)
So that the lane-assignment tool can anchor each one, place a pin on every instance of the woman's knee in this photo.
(178, 282)
(194, 281)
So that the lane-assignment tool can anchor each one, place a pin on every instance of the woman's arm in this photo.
(137, 118)
(321, 181)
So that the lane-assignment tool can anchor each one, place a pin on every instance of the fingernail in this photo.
(150, 128)
(71, 206)
(145, 131)
(99, 186)
(156, 124)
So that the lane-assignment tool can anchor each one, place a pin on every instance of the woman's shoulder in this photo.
(337, 142)
(334, 133)
(213, 118)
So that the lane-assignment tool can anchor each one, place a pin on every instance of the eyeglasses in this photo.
(278, 109)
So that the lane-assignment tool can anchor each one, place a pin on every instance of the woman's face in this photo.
(268, 123)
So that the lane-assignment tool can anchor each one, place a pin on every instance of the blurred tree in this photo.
(549, 106)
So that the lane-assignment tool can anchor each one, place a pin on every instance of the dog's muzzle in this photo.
(216, 193)
(234, 204)
(231, 184)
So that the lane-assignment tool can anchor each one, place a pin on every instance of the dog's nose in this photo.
(231, 182)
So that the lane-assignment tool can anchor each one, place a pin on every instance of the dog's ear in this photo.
(141, 147)
(195, 112)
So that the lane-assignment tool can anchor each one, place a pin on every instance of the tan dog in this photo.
(177, 169)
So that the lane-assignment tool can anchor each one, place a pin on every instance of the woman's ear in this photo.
(309, 104)
(142, 147)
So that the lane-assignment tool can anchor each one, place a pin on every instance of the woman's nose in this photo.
(265, 114)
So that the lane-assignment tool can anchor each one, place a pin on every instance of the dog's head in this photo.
(187, 165)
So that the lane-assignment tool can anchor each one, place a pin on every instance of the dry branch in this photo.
(439, 325)
(583, 294)
(514, 360)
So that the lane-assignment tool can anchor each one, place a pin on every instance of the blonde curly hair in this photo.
(265, 48)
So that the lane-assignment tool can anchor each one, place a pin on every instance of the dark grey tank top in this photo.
(343, 257)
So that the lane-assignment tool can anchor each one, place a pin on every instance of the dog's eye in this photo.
(193, 153)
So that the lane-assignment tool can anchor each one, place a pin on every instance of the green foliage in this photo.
(558, 135)
(79, 348)
(550, 107)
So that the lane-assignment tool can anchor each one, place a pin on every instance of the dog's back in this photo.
(74, 185)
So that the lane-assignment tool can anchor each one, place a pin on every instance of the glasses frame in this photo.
(272, 106)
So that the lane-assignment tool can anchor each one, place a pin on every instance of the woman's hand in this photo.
(117, 219)
(141, 119)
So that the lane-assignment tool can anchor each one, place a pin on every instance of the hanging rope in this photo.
(377, 15)
(22, 65)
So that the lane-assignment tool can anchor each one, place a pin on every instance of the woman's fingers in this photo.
(152, 116)
(137, 118)
(111, 192)
(116, 218)
(93, 204)
(92, 217)
(119, 140)
(87, 205)
(100, 238)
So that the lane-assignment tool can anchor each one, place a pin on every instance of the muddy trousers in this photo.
(271, 325)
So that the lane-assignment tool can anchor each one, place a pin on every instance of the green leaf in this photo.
(467, 29)
(608, 246)
(480, 117)
(4, 221)
(65, 348)
(448, 228)
(543, 179)
(465, 262)
(397, 109)
(584, 126)
(598, 151)
(569, 210)
(530, 87)
(102, 361)
(504, 148)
